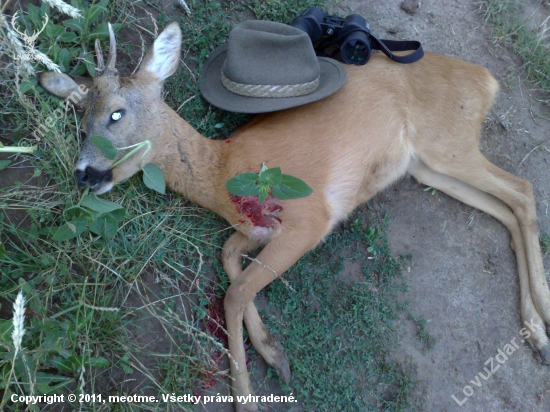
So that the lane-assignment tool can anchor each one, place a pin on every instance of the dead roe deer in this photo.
(388, 120)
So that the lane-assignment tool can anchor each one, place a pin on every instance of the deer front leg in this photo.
(264, 342)
(276, 257)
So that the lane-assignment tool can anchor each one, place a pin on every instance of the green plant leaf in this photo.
(93, 202)
(271, 176)
(94, 12)
(291, 188)
(74, 24)
(99, 362)
(76, 211)
(90, 66)
(45, 388)
(26, 86)
(264, 190)
(125, 364)
(118, 214)
(58, 31)
(154, 178)
(33, 232)
(71, 229)
(262, 196)
(105, 146)
(6, 329)
(105, 226)
(67, 37)
(102, 32)
(244, 184)
(4, 164)
(45, 378)
(49, 30)
(64, 59)
(64, 365)
(34, 15)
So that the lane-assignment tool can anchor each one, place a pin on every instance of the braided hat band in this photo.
(266, 90)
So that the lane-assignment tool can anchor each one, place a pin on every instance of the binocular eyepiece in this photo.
(351, 34)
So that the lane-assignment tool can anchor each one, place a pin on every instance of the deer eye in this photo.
(116, 116)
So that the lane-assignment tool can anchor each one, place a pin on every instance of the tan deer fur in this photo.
(388, 120)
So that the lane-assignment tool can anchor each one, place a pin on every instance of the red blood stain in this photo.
(214, 325)
(214, 322)
(259, 214)
(228, 141)
(32, 314)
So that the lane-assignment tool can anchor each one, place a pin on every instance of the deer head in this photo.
(126, 110)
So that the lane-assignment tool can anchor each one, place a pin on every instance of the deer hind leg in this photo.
(276, 257)
(508, 199)
(264, 342)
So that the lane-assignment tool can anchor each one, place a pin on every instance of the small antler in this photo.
(99, 56)
(111, 62)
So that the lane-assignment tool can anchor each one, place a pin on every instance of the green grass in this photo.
(421, 332)
(531, 46)
(124, 315)
(339, 332)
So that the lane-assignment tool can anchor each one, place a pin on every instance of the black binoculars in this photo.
(352, 37)
(352, 34)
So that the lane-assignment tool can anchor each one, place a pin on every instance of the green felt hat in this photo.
(267, 66)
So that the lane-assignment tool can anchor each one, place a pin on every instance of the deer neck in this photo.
(191, 162)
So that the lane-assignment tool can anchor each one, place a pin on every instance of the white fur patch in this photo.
(261, 234)
(346, 190)
(81, 165)
(166, 53)
(339, 200)
(104, 189)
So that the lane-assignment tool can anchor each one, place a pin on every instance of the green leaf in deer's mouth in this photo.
(154, 178)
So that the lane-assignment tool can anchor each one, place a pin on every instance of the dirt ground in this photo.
(462, 276)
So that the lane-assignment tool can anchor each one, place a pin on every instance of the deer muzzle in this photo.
(90, 177)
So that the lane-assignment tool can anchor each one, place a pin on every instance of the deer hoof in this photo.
(280, 363)
(283, 369)
(544, 354)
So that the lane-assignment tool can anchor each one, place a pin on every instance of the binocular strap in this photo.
(385, 46)
(389, 46)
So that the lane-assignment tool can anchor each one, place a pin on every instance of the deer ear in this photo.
(163, 58)
(61, 85)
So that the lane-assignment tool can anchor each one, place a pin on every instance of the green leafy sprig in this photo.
(269, 180)
(100, 216)
(152, 174)
(13, 149)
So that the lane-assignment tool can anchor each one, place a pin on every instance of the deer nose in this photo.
(92, 177)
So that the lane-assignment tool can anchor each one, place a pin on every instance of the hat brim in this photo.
(332, 77)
